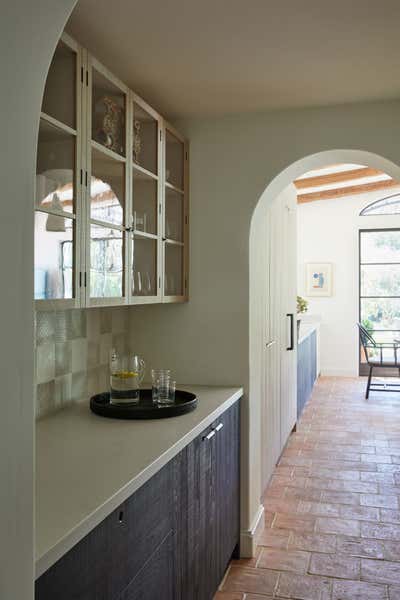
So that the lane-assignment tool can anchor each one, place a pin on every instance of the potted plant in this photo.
(302, 307)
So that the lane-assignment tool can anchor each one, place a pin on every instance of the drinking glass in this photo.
(161, 379)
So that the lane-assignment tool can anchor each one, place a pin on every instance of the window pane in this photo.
(144, 275)
(108, 113)
(55, 168)
(145, 139)
(173, 215)
(173, 285)
(106, 262)
(59, 100)
(385, 206)
(380, 280)
(144, 203)
(174, 161)
(107, 190)
(380, 246)
(54, 257)
(381, 313)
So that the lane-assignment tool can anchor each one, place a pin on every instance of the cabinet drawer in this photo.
(156, 579)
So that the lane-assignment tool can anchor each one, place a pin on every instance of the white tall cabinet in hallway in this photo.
(280, 348)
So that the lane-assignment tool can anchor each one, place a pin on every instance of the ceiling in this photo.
(216, 57)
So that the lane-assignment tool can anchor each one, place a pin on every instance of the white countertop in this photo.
(87, 465)
(306, 329)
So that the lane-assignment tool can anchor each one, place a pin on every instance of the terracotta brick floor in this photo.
(332, 509)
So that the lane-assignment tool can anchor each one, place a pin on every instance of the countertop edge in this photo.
(47, 560)
(311, 327)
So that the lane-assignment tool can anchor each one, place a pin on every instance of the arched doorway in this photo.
(258, 284)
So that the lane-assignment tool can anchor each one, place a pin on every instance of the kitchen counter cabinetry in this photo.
(172, 539)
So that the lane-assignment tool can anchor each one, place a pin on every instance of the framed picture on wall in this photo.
(319, 279)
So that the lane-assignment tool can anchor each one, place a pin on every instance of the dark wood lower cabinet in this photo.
(172, 540)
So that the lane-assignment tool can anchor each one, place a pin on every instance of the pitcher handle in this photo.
(142, 369)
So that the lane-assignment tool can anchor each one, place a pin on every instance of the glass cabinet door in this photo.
(57, 199)
(146, 204)
(107, 189)
(175, 224)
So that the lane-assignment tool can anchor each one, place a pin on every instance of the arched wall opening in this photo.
(258, 255)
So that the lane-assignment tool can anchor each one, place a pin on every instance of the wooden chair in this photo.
(379, 355)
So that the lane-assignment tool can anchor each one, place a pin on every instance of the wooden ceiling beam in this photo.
(347, 191)
(338, 177)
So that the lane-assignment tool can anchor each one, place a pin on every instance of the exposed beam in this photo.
(338, 177)
(347, 191)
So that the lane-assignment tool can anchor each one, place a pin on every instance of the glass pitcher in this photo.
(126, 375)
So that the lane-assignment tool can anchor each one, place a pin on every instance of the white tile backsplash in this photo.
(72, 353)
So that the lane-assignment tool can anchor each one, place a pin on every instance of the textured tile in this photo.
(318, 508)
(361, 513)
(63, 358)
(380, 500)
(390, 516)
(45, 362)
(105, 320)
(79, 354)
(301, 523)
(335, 565)
(79, 385)
(340, 497)
(358, 590)
(45, 327)
(45, 398)
(380, 531)
(283, 560)
(274, 538)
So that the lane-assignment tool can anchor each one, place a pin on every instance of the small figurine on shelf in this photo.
(110, 117)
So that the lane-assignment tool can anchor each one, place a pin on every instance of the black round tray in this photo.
(145, 409)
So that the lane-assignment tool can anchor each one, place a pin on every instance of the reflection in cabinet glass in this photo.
(174, 215)
(173, 278)
(144, 271)
(54, 257)
(106, 262)
(107, 189)
(174, 161)
(59, 99)
(145, 139)
(55, 168)
(144, 194)
(108, 113)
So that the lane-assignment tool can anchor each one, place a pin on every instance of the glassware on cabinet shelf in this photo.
(140, 221)
(145, 195)
(106, 262)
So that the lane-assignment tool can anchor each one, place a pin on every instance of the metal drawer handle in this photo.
(210, 435)
(219, 427)
(269, 344)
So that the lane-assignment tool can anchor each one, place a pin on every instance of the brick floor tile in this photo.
(303, 523)
(318, 508)
(303, 587)
(390, 516)
(360, 547)
(316, 542)
(380, 531)
(358, 590)
(360, 513)
(394, 592)
(340, 497)
(274, 538)
(230, 596)
(391, 551)
(377, 458)
(335, 565)
(379, 500)
(281, 505)
(378, 477)
(339, 526)
(254, 581)
(284, 560)
(379, 571)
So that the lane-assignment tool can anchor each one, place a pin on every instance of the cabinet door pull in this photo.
(210, 435)
(219, 427)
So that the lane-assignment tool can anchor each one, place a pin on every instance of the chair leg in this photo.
(369, 383)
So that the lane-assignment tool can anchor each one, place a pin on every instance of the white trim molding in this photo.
(249, 538)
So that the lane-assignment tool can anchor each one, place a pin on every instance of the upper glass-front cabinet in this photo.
(106, 186)
(58, 198)
(175, 238)
(111, 223)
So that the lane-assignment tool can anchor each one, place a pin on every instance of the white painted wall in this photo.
(28, 35)
(328, 232)
(233, 161)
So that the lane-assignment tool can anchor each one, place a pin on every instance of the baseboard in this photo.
(249, 538)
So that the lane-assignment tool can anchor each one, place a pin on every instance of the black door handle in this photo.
(291, 317)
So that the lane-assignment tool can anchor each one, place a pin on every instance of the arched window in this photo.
(385, 206)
